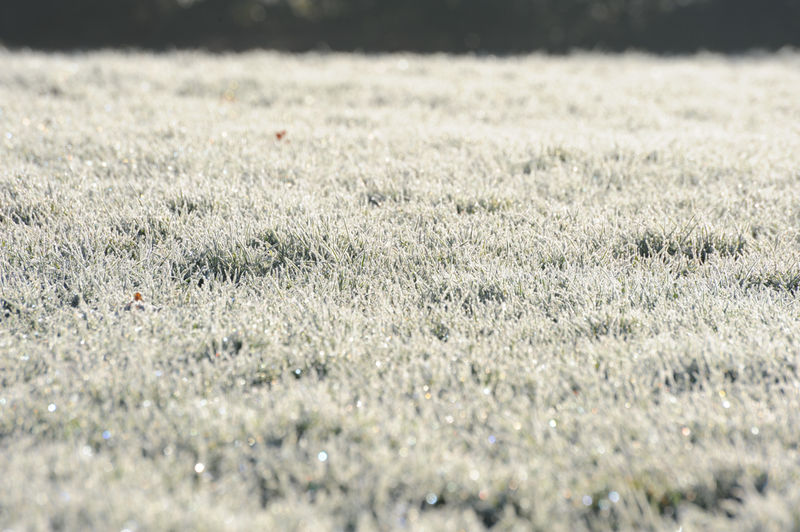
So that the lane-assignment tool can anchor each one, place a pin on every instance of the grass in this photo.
(458, 293)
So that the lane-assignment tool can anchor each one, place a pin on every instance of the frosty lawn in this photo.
(456, 293)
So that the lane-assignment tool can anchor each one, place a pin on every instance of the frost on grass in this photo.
(398, 292)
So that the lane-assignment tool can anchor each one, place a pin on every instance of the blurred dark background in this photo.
(492, 26)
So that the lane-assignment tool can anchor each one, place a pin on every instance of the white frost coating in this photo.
(493, 290)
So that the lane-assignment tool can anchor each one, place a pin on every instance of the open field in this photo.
(520, 293)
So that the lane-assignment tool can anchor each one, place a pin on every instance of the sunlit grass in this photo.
(521, 293)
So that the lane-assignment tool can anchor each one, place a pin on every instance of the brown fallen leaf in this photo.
(137, 303)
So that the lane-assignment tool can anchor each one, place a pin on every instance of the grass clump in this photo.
(31, 214)
(225, 264)
(183, 205)
(785, 281)
(489, 205)
(691, 243)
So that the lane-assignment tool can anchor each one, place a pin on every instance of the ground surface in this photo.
(551, 293)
